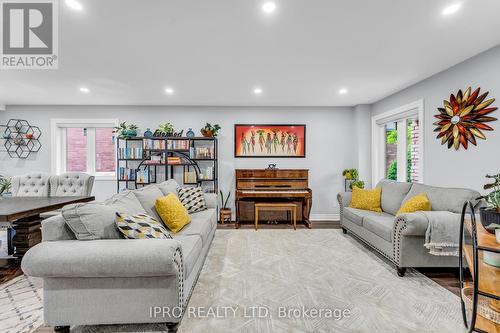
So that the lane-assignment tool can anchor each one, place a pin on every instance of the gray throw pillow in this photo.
(147, 197)
(169, 186)
(90, 221)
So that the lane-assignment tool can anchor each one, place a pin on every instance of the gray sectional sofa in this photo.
(401, 239)
(118, 281)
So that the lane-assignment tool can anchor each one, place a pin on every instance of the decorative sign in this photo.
(464, 118)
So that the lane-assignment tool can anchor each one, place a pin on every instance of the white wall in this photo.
(363, 143)
(331, 141)
(443, 166)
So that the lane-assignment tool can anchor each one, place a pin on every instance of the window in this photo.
(84, 146)
(398, 144)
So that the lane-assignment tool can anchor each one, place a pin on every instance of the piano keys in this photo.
(276, 185)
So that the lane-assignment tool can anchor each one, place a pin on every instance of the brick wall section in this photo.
(391, 154)
(76, 150)
(414, 151)
(105, 150)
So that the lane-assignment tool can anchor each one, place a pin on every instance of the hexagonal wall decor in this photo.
(21, 138)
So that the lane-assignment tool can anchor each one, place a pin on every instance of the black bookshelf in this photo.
(145, 160)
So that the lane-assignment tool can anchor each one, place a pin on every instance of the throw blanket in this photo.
(443, 233)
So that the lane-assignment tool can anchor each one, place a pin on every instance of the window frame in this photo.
(399, 115)
(58, 138)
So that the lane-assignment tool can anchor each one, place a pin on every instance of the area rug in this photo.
(304, 281)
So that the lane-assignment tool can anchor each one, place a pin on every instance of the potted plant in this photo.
(491, 213)
(5, 185)
(358, 184)
(210, 130)
(225, 212)
(350, 174)
(125, 130)
(165, 129)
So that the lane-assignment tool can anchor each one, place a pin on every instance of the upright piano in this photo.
(272, 185)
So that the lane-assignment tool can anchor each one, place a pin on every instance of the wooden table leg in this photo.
(28, 234)
(256, 213)
(294, 218)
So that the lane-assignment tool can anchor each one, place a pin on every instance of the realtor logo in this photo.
(29, 34)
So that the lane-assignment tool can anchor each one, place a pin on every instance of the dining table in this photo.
(20, 217)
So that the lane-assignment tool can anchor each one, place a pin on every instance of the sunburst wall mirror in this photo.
(463, 118)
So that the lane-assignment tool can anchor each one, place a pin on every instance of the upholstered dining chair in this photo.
(34, 184)
(71, 184)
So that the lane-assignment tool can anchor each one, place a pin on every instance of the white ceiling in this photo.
(215, 52)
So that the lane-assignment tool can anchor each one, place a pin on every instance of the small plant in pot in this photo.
(350, 174)
(358, 184)
(165, 129)
(125, 130)
(225, 212)
(490, 214)
(210, 130)
(5, 185)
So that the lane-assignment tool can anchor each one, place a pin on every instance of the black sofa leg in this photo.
(172, 327)
(61, 329)
(401, 271)
(344, 230)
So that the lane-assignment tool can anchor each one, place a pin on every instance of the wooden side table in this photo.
(475, 242)
(276, 206)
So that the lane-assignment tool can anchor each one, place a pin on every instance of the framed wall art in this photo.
(275, 140)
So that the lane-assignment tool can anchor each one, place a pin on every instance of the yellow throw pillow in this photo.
(172, 212)
(414, 204)
(366, 199)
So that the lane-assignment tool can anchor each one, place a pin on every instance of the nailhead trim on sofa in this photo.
(399, 226)
(180, 277)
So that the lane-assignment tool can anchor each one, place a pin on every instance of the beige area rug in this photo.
(274, 280)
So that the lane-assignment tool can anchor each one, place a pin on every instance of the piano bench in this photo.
(276, 206)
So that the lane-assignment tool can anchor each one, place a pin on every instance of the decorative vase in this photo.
(488, 217)
(206, 133)
(190, 133)
(148, 133)
(130, 133)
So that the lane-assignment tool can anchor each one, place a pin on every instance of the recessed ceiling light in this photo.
(257, 91)
(343, 91)
(73, 4)
(84, 90)
(169, 91)
(451, 9)
(269, 7)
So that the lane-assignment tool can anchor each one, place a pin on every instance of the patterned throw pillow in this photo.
(192, 198)
(173, 214)
(140, 226)
(366, 199)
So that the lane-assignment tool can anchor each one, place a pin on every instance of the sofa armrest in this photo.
(412, 224)
(344, 199)
(211, 200)
(104, 258)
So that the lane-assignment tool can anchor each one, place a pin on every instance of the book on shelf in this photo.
(201, 152)
(207, 174)
(126, 173)
(178, 144)
(190, 177)
(142, 176)
(153, 143)
(130, 153)
(174, 160)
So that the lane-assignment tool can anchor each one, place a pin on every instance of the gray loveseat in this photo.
(120, 281)
(401, 239)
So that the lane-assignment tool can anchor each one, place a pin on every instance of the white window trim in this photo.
(378, 136)
(58, 144)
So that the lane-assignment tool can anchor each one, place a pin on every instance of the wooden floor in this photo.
(445, 277)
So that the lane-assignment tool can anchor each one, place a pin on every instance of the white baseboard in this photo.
(325, 217)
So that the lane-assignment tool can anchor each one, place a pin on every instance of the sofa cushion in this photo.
(414, 204)
(140, 226)
(380, 225)
(169, 186)
(147, 197)
(173, 214)
(202, 224)
(393, 194)
(89, 221)
(192, 198)
(357, 215)
(442, 198)
(125, 202)
(366, 199)
(191, 250)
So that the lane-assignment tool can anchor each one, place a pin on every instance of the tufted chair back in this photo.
(71, 184)
(34, 184)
